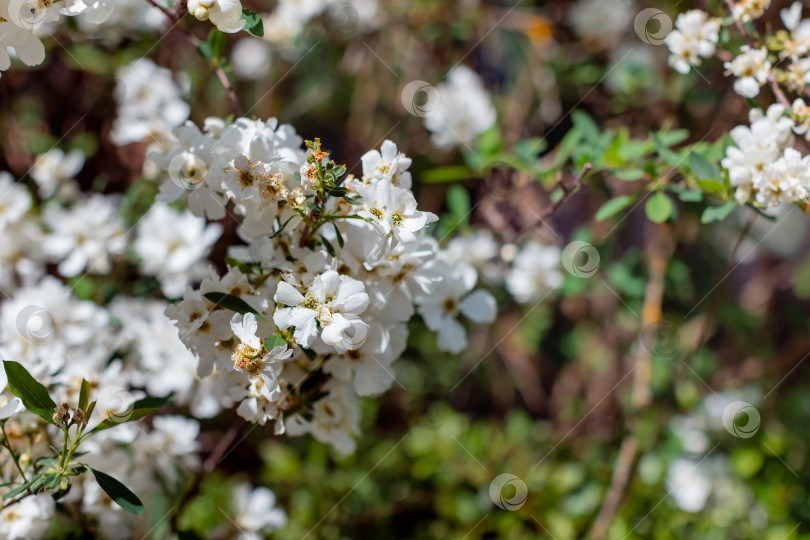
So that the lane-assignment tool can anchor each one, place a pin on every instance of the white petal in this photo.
(452, 336)
(288, 295)
(479, 306)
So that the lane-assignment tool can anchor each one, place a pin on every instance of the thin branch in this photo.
(568, 190)
(210, 463)
(174, 16)
(660, 248)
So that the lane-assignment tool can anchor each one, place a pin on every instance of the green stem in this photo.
(14, 457)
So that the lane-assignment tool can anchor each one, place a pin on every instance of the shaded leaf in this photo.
(34, 395)
(118, 492)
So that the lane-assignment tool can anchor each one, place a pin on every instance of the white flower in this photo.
(256, 512)
(95, 11)
(695, 37)
(462, 112)
(368, 368)
(243, 178)
(751, 68)
(15, 200)
(173, 245)
(748, 10)
(785, 180)
(54, 168)
(84, 237)
(451, 298)
(393, 211)
(257, 399)
(757, 147)
(333, 303)
(534, 272)
(387, 164)
(601, 20)
(226, 15)
(28, 519)
(251, 58)
(688, 484)
(334, 418)
(194, 168)
(151, 103)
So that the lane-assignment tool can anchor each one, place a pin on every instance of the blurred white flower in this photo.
(172, 245)
(255, 512)
(463, 111)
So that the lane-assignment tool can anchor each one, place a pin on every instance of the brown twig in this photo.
(174, 15)
(568, 190)
(660, 248)
(210, 463)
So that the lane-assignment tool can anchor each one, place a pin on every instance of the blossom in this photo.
(695, 37)
(463, 109)
(226, 15)
(535, 271)
(55, 168)
(255, 512)
(333, 302)
(27, 519)
(84, 236)
(15, 200)
(150, 103)
(387, 164)
(757, 146)
(251, 58)
(748, 10)
(441, 309)
(173, 245)
(751, 68)
(394, 212)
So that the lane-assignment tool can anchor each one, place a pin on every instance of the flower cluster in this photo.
(24, 22)
(695, 37)
(312, 311)
(764, 166)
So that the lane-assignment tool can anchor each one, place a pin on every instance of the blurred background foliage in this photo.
(542, 394)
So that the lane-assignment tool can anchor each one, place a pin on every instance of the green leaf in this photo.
(140, 409)
(704, 169)
(447, 174)
(118, 492)
(585, 124)
(18, 490)
(458, 201)
(628, 175)
(614, 206)
(687, 195)
(32, 394)
(234, 303)
(39, 482)
(273, 342)
(339, 236)
(84, 395)
(717, 213)
(254, 25)
(659, 207)
(712, 187)
(236, 263)
(329, 248)
(216, 40)
(530, 148)
(489, 142)
(204, 49)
